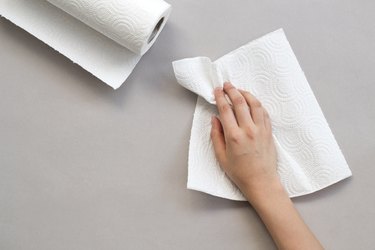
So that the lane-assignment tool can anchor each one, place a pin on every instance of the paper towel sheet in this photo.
(93, 51)
(309, 157)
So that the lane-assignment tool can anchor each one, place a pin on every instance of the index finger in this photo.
(228, 119)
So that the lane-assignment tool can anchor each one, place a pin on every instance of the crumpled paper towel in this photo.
(105, 37)
(309, 158)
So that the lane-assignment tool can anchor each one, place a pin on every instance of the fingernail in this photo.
(227, 84)
(217, 89)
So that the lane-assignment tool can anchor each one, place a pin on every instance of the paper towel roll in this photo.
(134, 24)
(105, 37)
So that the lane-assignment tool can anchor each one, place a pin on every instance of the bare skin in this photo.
(244, 147)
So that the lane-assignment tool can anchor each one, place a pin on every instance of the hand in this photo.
(243, 141)
(245, 149)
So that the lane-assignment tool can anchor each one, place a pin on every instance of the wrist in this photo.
(263, 190)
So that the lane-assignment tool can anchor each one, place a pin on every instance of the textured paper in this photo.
(105, 37)
(309, 157)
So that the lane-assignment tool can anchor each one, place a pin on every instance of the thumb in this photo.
(218, 141)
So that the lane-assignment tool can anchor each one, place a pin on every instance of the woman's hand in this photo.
(245, 149)
(243, 141)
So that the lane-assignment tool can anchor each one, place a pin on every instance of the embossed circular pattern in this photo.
(308, 155)
(240, 66)
(128, 22)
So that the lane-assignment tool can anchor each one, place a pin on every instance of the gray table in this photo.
(85, 167)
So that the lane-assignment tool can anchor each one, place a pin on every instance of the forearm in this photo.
(245, 149)
(281, 218)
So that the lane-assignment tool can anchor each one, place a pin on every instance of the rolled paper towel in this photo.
(133, 24)
(105, 37)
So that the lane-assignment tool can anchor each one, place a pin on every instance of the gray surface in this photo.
(86, 167)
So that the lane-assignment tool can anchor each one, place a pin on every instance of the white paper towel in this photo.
(105, 37)
(309, 158)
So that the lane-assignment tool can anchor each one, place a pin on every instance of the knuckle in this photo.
(229, 87)
(224, 108)
(238, 100)
(255, 103)
(246, 94)
(250, 134)
(235, 137)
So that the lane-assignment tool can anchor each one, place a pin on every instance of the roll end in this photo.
(156, 30)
